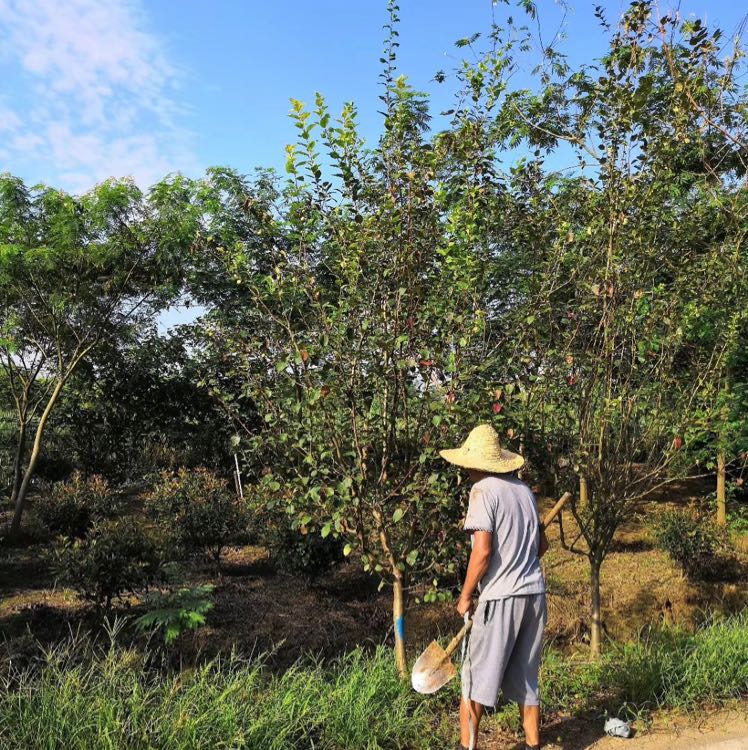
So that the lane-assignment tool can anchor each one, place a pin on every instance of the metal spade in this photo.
(434, 668)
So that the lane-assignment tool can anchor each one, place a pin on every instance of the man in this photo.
(503, 651)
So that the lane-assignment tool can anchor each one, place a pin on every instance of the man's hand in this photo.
(480, 557)
(465, 604)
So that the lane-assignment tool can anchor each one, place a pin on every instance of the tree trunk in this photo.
(35, 451)
(583, 498)
(398, 619)
(18, 463)
(596, 627)
(721, 506)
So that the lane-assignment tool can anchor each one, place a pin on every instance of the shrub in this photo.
(115, 558)
(72, 507)
(198, 510)
(177, 611)
(307, 555)
(293, 546)
(692, 540)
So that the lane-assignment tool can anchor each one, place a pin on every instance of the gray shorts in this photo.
(503, 650)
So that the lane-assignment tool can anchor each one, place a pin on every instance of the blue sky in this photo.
(93, 88)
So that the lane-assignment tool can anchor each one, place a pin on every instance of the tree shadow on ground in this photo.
(572, 732)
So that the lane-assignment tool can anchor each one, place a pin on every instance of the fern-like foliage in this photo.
(177, 612)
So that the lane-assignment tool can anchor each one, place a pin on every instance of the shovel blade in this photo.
(433, 669)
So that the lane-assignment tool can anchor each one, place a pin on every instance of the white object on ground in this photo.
(618, 728)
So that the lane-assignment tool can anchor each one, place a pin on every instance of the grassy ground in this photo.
(258, 610)
(78, 697)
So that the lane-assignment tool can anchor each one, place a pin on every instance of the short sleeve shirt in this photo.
(505, 506)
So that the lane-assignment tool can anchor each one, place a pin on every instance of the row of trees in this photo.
(587, 298)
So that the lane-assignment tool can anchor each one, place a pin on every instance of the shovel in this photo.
(434, 668)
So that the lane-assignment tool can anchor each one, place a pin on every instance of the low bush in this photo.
(692, 540)
(115, 558)
(70, 508)
(294, 548)
(306, 555)
(176, 612)
(198, 510)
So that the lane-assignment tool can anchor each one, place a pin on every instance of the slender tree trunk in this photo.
(35, 451)
(596, 628)
(583, 497)
(721, 495)
(18, 462)
(398, 619)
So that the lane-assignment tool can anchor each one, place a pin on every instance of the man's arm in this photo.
(543, 545)
(480, 558)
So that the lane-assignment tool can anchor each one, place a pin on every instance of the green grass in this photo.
(80, 701)
(673, 669)
(78, 698)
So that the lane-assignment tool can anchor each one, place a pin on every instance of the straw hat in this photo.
(482, 451)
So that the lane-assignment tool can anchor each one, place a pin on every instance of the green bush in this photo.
(72, 507)
(307, 555)
(692, 540)
(176, 612)
(198, 510)
(115, 558)
(294, 548)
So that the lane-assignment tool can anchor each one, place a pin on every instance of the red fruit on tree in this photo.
(571, 380)
(497, 408)
(426, 363)
(677, 442)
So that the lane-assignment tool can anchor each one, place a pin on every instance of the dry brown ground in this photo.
(257, 608)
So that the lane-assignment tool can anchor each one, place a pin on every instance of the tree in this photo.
(653, 210)
(363, 344)
(75, 271)
(134, 407)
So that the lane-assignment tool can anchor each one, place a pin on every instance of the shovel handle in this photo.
(556, 509)
(455, 642)
(552, 513)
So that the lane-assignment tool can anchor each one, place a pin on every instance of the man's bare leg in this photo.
(531, 722)
(468, 707)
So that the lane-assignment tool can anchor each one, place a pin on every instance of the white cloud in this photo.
(98, 95)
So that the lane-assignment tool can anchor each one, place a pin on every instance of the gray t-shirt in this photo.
(505, 506)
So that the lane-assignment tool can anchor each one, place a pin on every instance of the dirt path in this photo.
(717, 730)
(724, 730)
(730, 737)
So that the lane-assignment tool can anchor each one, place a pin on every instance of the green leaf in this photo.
(397, 515)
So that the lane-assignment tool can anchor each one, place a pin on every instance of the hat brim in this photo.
(507, 462)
